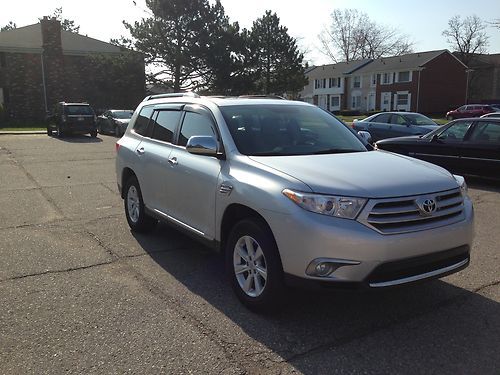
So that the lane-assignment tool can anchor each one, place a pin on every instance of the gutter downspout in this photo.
(418, 86)
(43, 83)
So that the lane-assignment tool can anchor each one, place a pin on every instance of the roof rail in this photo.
(172, 95)
(259, 96)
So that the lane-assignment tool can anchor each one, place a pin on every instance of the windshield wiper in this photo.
(335, 151)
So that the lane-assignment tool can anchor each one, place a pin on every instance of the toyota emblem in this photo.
(427, 206)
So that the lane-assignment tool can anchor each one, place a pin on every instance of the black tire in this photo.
(272, 293)
(142, 222)
(49, 131)
(60, 132)
(99, 128)
(93, 133)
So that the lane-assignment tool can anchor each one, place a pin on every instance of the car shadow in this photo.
(79, 139)
(317, 331)
(483, 184)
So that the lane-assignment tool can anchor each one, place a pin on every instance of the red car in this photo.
(470, 110)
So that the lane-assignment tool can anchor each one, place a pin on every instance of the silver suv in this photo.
(291, 195)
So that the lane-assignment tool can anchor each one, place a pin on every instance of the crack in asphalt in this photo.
(397, 322)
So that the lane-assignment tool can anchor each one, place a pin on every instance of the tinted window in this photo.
(455, 132)
(141, 123)
(79, 110)
(418, 119)
(486, 132)
(164, 126)
(384, 117)
(195, 124)
(398, 120)
(123, 114)
(287, 130)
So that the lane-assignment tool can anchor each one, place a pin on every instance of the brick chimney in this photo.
(51, 36)
(53, 61)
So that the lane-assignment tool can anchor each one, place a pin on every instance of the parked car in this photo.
(492, 114)
(290, 195)
(114, 121)
(469, 110)
(394, 124)
(466, 146)
(72, 118)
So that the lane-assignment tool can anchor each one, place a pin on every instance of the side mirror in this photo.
(365, 136)
(202, 145)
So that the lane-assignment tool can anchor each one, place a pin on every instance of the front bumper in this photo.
(378, 260)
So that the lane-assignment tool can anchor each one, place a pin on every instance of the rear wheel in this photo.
(60, 132)
(93, 133)
(137, 218)
(254, 266)
(49, 131)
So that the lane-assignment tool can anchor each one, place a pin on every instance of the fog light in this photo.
(323, 269)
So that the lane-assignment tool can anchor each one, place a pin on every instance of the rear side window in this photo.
(79, 110)
(164, 125)
(195, 124)
(486, 132)
(384, 117)
(142, 121)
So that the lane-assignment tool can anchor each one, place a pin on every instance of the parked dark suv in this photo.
(469, 110)
(72, 118)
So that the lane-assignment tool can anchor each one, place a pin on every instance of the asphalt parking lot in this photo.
(80, 293)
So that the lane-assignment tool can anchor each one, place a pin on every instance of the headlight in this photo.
(463, 185)
(344, 207)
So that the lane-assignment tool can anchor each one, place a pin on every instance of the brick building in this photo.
(428, 82)
(41, 65)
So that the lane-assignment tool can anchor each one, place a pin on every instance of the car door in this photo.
(399, 126)
(480, 152)
(194, 177)
(378, 127)
(102, 121)
(443, 148)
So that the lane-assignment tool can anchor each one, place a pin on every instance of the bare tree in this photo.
(352, 35)
(466, 36)
(10, 26)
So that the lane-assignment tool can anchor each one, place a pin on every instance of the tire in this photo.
(259, 283)
(60, 133)
(49, 131)
(93, 133)
(135, 212)
(99, 128)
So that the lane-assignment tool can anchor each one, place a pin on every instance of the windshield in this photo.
(122, 114)
(269, 130)
(417, 119)
(79, 110)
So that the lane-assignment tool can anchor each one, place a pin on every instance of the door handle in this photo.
(140, 151)
(173, 161)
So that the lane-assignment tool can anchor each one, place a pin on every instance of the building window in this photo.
(330, 82)
(386, 78)
(335, 102)
(338, 82)
(356, 101)
(356, 82)
(404, 76)
(374, 80)
(402, 99)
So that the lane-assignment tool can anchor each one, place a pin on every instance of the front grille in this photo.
(400, 269)
(401, 215)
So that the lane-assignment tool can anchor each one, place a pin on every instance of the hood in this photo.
(373, 174)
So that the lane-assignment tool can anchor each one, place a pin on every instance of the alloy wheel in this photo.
(250, 267)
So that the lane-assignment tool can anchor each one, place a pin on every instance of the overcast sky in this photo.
(423, 21)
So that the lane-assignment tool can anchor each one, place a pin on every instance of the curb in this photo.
(22, 132)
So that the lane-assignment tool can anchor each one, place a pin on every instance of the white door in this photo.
(385, 101)
(371, 102)
(322, 102)
(402, 101)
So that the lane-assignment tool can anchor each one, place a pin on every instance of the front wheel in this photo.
(254, 266)
(137, 218)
